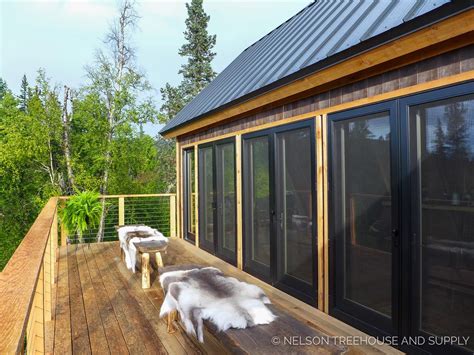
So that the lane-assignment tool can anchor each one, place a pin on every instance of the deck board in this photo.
(101, 308)
(113, 333)
(98, 341)
(79, 330)
(139, 333)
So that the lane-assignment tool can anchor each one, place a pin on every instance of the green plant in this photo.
(81, 213)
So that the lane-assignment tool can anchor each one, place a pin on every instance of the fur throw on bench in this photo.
(205, 293)
(134, 234)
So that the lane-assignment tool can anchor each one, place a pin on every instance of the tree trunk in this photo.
(66, 143)
(103, 189)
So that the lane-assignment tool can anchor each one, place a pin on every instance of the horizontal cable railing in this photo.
(27, 281)
(156, 211)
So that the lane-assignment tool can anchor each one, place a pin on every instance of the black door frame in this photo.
(350, 312)
(411, 227)
(408, 282)
(302, 292)
(215, 248)
(190, 237)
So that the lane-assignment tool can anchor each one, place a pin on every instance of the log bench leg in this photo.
(172, 316)
(159, 260)
(145, 270)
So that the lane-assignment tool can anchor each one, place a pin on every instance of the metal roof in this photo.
(321, 34)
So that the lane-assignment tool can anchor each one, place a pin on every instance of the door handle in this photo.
(396, 237)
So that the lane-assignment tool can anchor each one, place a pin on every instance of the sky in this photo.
(61, 36)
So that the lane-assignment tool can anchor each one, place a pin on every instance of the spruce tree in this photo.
(197, 72)
(24, 94)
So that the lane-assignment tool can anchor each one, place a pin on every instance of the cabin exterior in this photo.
(334, 160)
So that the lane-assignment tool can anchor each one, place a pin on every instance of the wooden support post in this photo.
(325, 211)
(159, 260)
(173, 216)
(145, 270)
(54, 245)
(64, 233)
(47, 286)
(178, 192)
(121, 211)
(238, 166)
(320, 211)
(196, 194)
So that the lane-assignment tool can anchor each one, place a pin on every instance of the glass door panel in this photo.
(226, 200)
(189, 195)
(279, 208)
(293, 193)
(207, 198)
(364, 219)
(442, 156)
(257, 213)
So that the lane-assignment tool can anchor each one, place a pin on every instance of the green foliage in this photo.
(32, 161)
(197, 72)
(174, 99)
(81, 213)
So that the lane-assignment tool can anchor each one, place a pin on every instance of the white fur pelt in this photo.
(207, 294)
(128, 246)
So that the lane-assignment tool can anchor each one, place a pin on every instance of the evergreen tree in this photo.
(24, 94)
(197, 72)
(3, 88)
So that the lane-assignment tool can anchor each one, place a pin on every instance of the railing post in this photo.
(173, 216)
(64, 234)
(121, 211)
(54, 246)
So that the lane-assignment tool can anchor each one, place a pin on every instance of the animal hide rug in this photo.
(205, 293)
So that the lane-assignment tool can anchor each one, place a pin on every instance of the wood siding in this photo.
(438, 67)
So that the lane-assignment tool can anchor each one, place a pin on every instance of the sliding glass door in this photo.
(402, 218)
(441, 169)
(189, 195)
(365, 215)
(279, 208)
(218, 199)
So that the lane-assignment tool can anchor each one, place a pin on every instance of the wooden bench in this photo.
(145, 248)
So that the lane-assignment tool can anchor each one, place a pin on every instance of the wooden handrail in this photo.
(25, 273)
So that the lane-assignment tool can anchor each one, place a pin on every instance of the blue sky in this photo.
(61, 36)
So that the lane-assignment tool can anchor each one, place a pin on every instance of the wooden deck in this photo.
(101, 308)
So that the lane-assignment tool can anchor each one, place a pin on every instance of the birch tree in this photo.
(66, 121)
(115, 77)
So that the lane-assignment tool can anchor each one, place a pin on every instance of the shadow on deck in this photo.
(101, 308)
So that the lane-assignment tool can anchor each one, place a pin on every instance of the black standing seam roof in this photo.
(322, 34)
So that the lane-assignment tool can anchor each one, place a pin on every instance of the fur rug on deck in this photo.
(205, 293)
(134, 234)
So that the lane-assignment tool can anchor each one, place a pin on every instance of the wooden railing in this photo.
(27, 283)
(156, 210)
